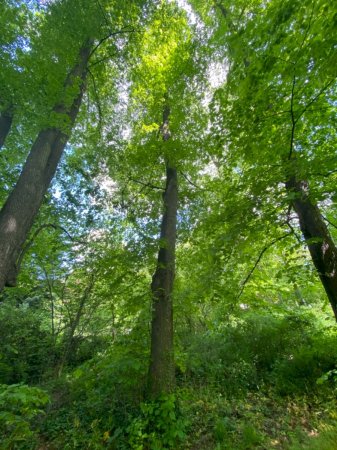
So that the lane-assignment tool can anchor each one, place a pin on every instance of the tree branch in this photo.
(316, 97)
(36, 233)
(105, 38)
(293, 120)
(109, 56)
(326, 175)
(191, 182)
(98, 103)
(329, 222)
(106, 20)
(259, 259)
(149, 185)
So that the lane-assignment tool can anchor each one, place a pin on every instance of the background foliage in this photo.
(255, 340)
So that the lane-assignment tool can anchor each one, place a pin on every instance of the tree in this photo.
(20, 209)
(162, 371)
(275, 110)
(164, 105)
(6, 119)
(13, 22)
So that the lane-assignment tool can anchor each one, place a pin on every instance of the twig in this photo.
(290, 226)
(191, 182)
(295, 234)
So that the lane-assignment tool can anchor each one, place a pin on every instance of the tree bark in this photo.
(161, 371)
(6, 118)
(322, 249)
(19, 211)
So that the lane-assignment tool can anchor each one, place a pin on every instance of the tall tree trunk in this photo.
(19, 211)
(6, 118)
(320, 244)
(161, 371)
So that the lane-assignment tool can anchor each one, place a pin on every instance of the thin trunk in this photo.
(19, 212)
(320, 244)
(52, 318)
(161, 371)
(6, 118)
(69, 345)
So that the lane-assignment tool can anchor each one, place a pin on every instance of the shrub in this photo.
(26, 348)
(299, 372)
(160, 425)
(19, 404)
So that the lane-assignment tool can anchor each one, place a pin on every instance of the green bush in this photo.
(95, 403)
(26, 348)
(19, 404)
(299, 372)
(244, 355)
(289, 352)
(160, 426)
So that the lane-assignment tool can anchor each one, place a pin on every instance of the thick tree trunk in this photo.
(19, 211)
(321, 246)
(6, 118)
(161, 371)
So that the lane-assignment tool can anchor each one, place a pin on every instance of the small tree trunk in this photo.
(320, 244)
(19, 211)
(6, 118)
(161, 371)
(74, 323)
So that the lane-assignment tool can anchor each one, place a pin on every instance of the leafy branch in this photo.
(259, 259)
(36, 233)
(108, 36)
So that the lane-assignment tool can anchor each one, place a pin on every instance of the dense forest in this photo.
(168, 224)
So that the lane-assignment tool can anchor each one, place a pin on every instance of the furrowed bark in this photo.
(322, 249)
(6, 118)
(161, 371)
(18, 213)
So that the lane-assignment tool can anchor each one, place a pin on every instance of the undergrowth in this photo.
(263, 383)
